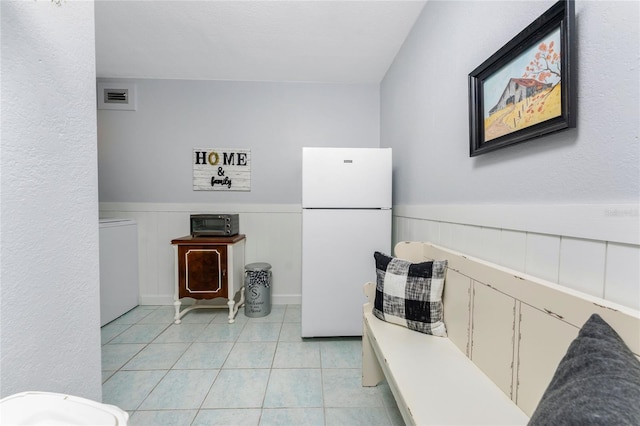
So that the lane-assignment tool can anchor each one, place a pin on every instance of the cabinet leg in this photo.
(241, 301)
(232, 314)
(176, 318)
(371, 372)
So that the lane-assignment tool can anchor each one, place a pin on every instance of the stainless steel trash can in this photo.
(257, 289)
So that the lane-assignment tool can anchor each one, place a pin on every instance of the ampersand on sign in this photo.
(220, 171)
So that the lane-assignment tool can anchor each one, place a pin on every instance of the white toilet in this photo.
(45, 408)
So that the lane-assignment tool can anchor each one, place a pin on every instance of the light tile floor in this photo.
(257, 371)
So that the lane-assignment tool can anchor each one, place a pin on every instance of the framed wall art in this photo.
(221, 169)
(527, 88)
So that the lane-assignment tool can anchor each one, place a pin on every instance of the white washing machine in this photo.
(119, 289)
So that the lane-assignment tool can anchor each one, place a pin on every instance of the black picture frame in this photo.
(542, 100)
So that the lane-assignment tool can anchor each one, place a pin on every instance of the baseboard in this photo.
(286, 299)
(165, 300)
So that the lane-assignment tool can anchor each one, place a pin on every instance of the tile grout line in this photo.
(273, 360)
(221, 365)
(135, 354)
(146, 346)
(290, 338)
(219, 370)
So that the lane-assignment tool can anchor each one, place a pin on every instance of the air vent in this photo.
(120, 96)
(116, 96)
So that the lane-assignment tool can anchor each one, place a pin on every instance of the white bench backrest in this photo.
(515, 327)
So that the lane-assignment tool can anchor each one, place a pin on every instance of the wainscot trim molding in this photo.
(618, 223)
(200, 207)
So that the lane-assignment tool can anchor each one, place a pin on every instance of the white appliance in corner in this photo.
(346, 217)
(118, 268)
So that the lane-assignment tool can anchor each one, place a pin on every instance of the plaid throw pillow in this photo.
(410, 294)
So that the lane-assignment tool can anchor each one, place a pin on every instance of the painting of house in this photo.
(517, 90)
(525, 91)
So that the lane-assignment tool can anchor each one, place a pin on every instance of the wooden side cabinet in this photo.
(209, 268)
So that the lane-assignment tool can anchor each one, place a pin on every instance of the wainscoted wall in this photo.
(146, 171)
(593, 248)
(563, 207)
(420, 111)
(273, 235)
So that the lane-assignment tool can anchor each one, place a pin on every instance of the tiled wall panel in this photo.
(512, 249)
(601, 268)
(469, 238)
(543, 256)
(491, 248)
(582, 265)
(273, 236)
(622, 277)
(446, 234)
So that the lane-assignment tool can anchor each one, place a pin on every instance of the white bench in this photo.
(506, 335)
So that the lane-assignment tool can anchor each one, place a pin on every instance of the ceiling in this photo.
(319, 41)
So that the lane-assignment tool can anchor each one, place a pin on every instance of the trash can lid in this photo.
(258, 266)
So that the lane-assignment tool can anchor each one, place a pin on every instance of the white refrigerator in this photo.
(346, 217)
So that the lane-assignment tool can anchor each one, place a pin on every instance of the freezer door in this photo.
(346, 177)
(337, 260)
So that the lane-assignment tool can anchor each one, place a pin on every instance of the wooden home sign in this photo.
(221, 169)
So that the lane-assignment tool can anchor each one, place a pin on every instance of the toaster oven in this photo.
(212, 225)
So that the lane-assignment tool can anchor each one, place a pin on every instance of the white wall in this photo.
(145, 155)
(146, 172)
(563, 207)
(49, 314)
(424, 110)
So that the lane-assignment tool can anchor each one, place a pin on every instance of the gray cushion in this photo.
(596, 383)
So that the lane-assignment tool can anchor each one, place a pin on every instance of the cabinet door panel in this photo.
(544, 340)
(203, 271)
(493, 334)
